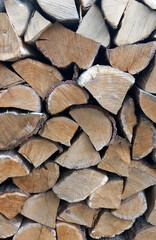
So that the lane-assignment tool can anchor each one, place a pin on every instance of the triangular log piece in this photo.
(107, 85)
(150, 214)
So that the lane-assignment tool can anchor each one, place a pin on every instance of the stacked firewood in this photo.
(77, 120)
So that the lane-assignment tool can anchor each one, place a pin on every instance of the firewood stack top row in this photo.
(77, 119)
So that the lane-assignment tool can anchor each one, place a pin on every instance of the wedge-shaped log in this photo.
(79, 213)
(141, 176)
(12, 165)
(80, 50)
(107, 85)
(70, 187)
(17, 127)
(132, 58)
(93, 26)
(22, 97)
(132, 208)
(108, 225)
(108, 195)
(40, 179)
(41, 77)
(42, 208)
(144, 139)
(150, 214)
(59, 129)
(12, 47)
(61, 11)
(95, 123)
(80, 155)
(134, 29)
(117, 157)
(64, 95)
(127, 118)
(37, 150)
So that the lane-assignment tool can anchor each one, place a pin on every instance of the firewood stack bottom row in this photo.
(77, 120)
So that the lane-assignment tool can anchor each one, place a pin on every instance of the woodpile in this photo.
(78, 119)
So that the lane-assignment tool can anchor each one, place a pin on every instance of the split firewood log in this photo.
(59, 129)
(136, 29)
(144, 138)
(8, 78)
(61, 11)
(93, 27)
(79, 213)
(41, 77)
(9, 227)
(22, 97)
(107, 85)
(117, 157)
(69, 231)
(150, 3)
(108, 225)
(12, 165)
(37, 25)
(95, 123)
(12, 200)
(39, 180)
(42, 208)
(35, 231)
(113, 10)
(141, 176)
(108, 195)
(132, 208)
(12, 47)
(70, 187)
(64, 95)
(127, 118)
(37, 150)
(132, 58)
(82, 50)
(86, 155)
(150, 214)
(17, 127)
(87, 3)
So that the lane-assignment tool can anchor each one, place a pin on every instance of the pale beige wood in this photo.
(8, 78)
(134, 29)
(147, 102)
(9, 227)
(37, 25)
(64, 95)
(150, 214)
(19, 13)
(12, 47)
(17, 127)
(117, 157)
(22, 97)
(59, 129)
(93, 26)
(132, 58)
(86, 155)
(113, 10)
(40, 179)
(12, 165)
(108, 195)
(141, 176)
(61, 11)
(79, 213)
(78, 185)
(132, 208)
(69, 231)
(58, 41)
(109, 226)
(42, 208)
(144, 138)
(35, 231)
(41, 77)
(37, 150)
(151, 3)
(107, 85)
